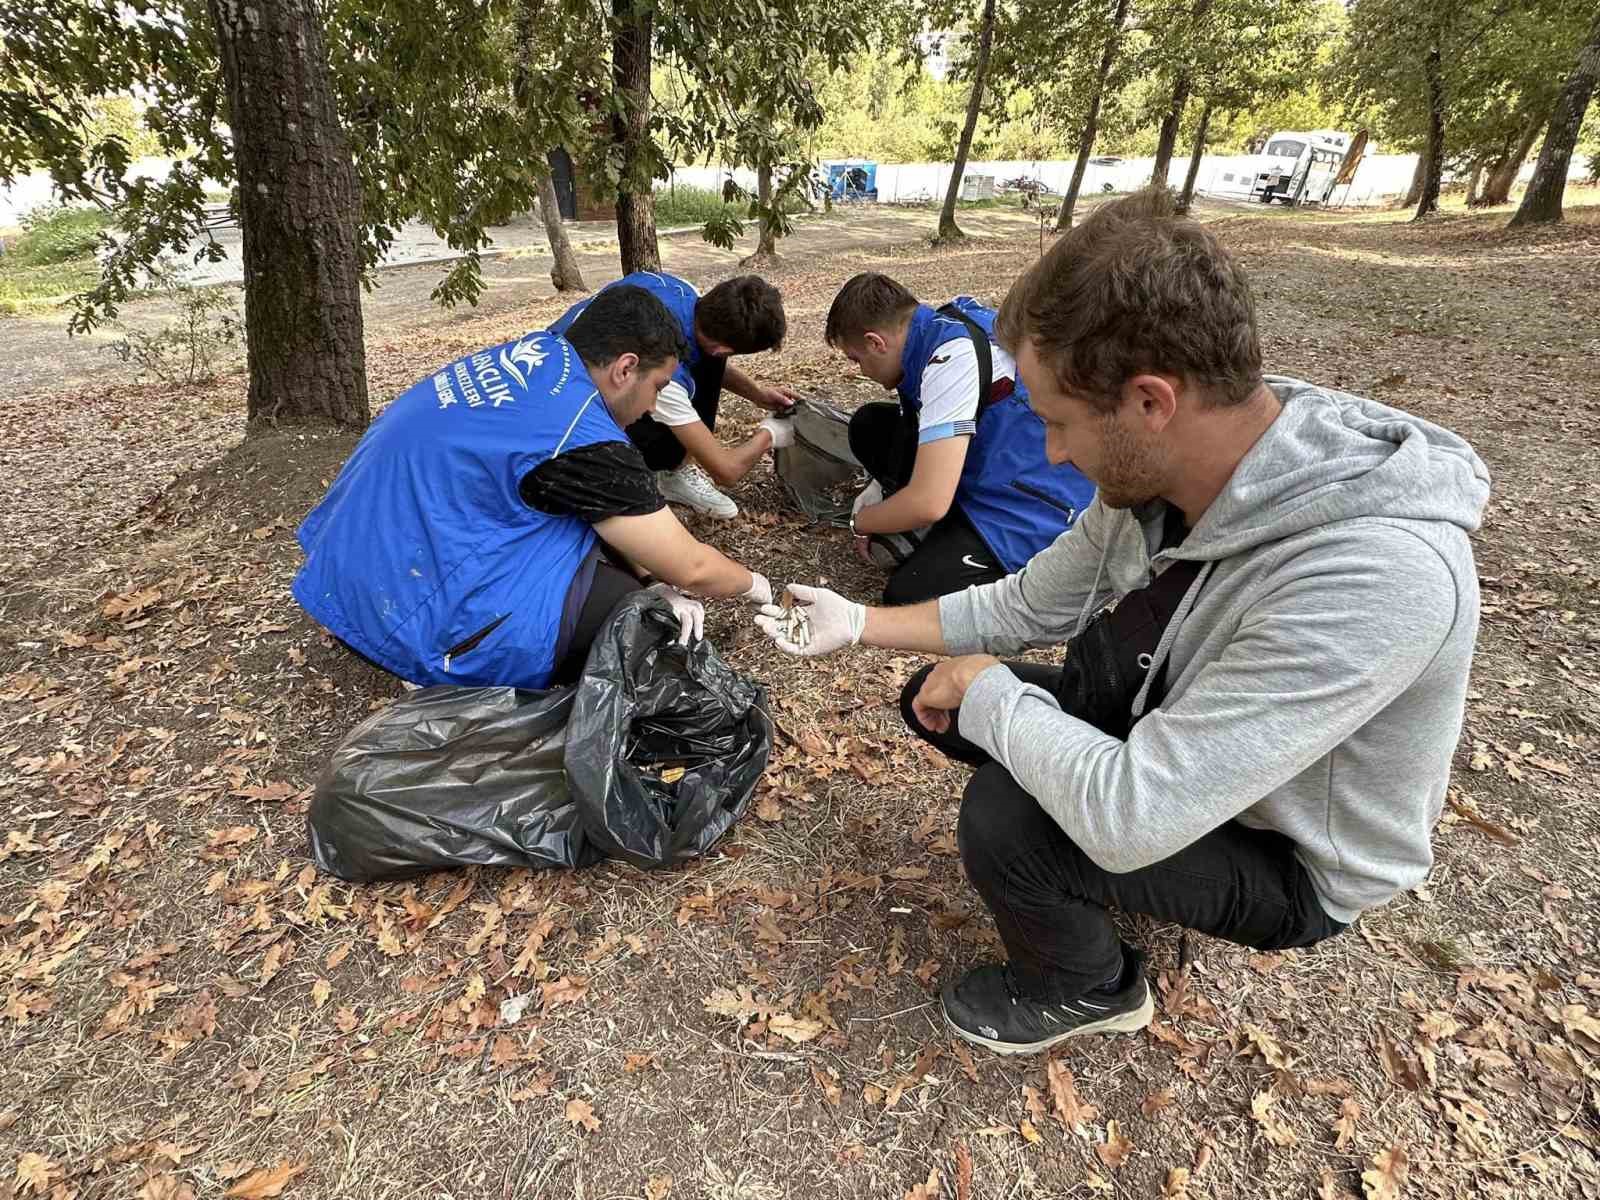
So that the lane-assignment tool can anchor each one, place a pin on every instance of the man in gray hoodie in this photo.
(1254, 741)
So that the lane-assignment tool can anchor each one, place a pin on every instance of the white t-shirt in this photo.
(950, 389)
(673, 406)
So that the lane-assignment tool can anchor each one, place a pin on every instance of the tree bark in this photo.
(1542, 201)
(1091, 122)
(948, 229)
(1168, 140)
(564, 273)
(1433, 152)
(1187, 198)
(766, 235)
(298, 204)
(630, 132)
(1472, 183)
(1504, 175)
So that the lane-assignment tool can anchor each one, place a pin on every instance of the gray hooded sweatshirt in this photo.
(1318, 665)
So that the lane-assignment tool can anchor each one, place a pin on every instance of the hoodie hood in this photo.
(1330, 457)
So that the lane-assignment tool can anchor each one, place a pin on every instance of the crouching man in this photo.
(493, 516)
(678, 440)
(1255, 741)
(961, 490)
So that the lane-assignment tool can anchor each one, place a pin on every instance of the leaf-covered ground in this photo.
(188, 1009)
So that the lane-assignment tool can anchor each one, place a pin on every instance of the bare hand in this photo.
(777, 399)
(945, 687)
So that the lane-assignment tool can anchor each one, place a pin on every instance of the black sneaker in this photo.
(987, 1009)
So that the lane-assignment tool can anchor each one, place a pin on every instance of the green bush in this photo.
(685, 205)
(53, 234)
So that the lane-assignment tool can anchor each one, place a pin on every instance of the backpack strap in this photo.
(980, 345)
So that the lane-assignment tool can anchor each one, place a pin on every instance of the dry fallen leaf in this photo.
(1029, 1133)
(1177, 1185)
(1155, 1102)
(1116, 1149)
(963, 1158)
(581, 1112)
(657, 1187)
(1344, 1125)
(927, 1190)
(794, 1029)
(1261, 1108)
(828, 1082)
(34, 1172)
(320, 991)
(1383, 1180)
(1070, 1108)
(266, 1182)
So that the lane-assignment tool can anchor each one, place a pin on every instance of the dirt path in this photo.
(183, 1001)
(36, 353)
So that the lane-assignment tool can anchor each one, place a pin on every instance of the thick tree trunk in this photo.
(1473, 180)
(1414, 192)
(630, 131)
(1187, 198)
(767, 232)
(1091, 122)
(1542, 200)
(298, 204)
(1504, 175)
(1168, 140)
(564, 273)
(948, 229)
(1433, 152)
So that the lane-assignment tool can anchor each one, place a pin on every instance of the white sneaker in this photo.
(692, 486)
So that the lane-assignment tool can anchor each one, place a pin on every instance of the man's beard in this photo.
(1130, 472)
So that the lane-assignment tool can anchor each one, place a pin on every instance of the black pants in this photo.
(660, 446)
(1050, 900)
(952, 554)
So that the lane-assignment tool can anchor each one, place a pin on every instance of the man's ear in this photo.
(623, 369)
(1154, 399)
(874, 342)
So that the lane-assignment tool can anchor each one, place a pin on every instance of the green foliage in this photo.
(684, 205)
(189, 349)
(54, 233)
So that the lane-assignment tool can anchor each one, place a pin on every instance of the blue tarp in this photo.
(854, 180)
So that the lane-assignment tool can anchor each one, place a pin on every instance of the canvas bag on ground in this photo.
(819, 472)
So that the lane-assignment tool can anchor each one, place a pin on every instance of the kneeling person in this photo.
(962, 492)
(466, 539)
(743, 315)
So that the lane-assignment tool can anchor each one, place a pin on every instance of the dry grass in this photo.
(164, 950)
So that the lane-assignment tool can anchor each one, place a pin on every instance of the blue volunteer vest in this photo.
(424, 543)
(1017, 501)
(679, 297)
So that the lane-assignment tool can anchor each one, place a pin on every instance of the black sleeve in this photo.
(594, 482)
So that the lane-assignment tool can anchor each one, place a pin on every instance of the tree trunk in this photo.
(766, 226)
(1414, 192)
(1472, 183)
(1433, 152)
(298, 204)
(1168, 141)
(948, 229)
(1185, 200)
(1542, 200)
(630, 131)
(564, 273)
(1504, 176)
(1091, 123)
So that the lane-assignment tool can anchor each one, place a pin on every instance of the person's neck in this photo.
(1215, 444)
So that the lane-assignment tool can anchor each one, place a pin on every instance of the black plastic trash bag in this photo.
(450, 777)
(819, 472)
(666, 743)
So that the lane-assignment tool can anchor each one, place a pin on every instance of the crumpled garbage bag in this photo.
(652, 756)
(666, 743)
(451, 777)
(819, 472)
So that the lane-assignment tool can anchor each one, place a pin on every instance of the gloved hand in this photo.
(690, 612)
(760, 589)
(835, 621)
(782, 431)
(870, 495)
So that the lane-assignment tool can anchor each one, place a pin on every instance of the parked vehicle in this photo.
(1299, 168)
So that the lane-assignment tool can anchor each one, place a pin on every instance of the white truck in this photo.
(1299, 168)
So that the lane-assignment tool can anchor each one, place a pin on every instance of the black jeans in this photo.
(1050, 900)
(952, 554)
(660, 447)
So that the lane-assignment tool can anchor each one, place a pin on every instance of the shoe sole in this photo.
(1128, 1022)
(705, 512)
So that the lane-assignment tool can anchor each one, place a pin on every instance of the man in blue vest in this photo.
(962, 493)
(495, 513)
(743, 315)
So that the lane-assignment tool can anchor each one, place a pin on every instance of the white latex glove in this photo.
(835, 621)
(690, 612)
(782, 431)
(870, 495)
(760, 589)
